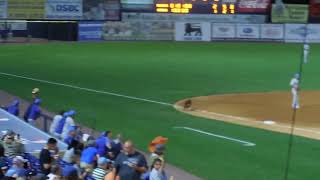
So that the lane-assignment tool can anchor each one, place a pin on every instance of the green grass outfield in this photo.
(167, 72)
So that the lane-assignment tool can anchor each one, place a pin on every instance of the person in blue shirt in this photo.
(33, 112)
(104, 143)
(89, 156)
(13, 108)
(17, 169)
(72, 135)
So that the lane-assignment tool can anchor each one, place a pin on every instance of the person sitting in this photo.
(103, 169)
(72, 135)
(3, 164)
(89, 156)
(13, 108)
(55, 173)
(73, 146)
(33, 112)
(12, 144)
(69, 173)
(47, 156)
(55, 122)
(17, 169)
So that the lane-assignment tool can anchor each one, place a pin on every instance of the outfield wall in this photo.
(197, 31)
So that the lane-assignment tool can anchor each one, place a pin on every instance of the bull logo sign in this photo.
(193, 29)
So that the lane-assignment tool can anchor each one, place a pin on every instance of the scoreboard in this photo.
(196, 6)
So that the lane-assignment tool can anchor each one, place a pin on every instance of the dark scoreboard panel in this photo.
(196, 6)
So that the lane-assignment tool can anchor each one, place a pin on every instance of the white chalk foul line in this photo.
(85, 89)
(259, 122)
(245, 143)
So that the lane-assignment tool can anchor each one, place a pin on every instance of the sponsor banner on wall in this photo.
(64, 9)
(302, 32)
(195, 31)
(26, 9)
(137, 30)
(292, 13)
(215, 18)
(248, 31)
(253, 6)
(272, 31)
(14, 26)
(90, 31)
(3, 9)
(101, 10)
(223, 30)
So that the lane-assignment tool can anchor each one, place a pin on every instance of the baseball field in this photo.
(131, 87)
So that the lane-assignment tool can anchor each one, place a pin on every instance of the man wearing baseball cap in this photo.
(104, 168)
(35, 93)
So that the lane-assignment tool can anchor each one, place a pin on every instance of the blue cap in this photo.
(72, 128)
(103, 161)
(69, 171)
(69, 113)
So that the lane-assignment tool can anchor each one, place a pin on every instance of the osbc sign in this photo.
(66, 8)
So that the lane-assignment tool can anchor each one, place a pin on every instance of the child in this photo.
(157, 172)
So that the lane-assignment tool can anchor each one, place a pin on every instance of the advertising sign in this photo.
(254, 6)
(223, 30)
(186, 31)
(101, 10)
(248, 31)
(90, 31)
(64, 9)
(26, 9)
(302, 32)
(14, 26)
(272, 31)
(3, 9)
(137, 30)
(292, 13)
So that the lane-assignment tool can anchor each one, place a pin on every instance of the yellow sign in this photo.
(26, 9)
(290, 13)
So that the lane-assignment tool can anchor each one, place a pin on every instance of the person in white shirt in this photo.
(69, 122)
(55, 122)
(306, 48)
(294, 83)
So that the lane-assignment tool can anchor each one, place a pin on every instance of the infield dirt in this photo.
(271, 111)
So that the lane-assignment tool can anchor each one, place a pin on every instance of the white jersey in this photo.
(294, 83)
(54, 123)
(69, 122)
(306, 47)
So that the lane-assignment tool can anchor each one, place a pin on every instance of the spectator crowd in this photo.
(86, 158)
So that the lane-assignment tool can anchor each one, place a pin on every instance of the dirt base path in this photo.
(177, 173)
(271, 111)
